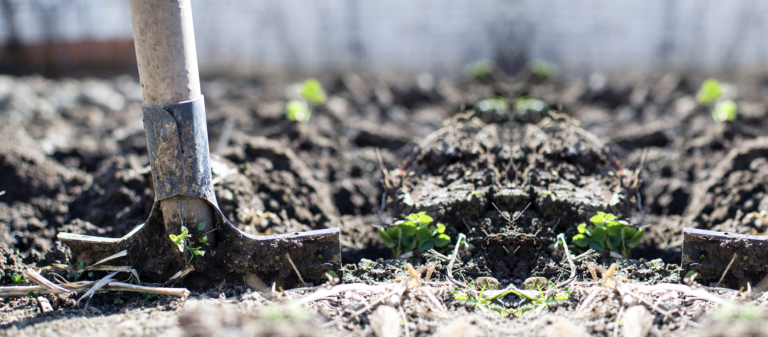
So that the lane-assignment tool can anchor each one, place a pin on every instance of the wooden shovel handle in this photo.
(165, 50)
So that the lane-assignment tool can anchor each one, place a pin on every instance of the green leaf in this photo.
(200, 226)
(79, 264)
(90, 274)
(582, 228)
(388, 240)
(441, 240)
(596, 245)
(426, 245)
(408, 227)
(423, 234)
(710, 91)
(724, 111)
(17, 278)
(408, 243)
(440, 229)
(614, 227)
(581, 240)
(635, 240)
(612, 246)
(596, 220)
(297, 111)
(599, 234)
(425, 220)
(312, 91)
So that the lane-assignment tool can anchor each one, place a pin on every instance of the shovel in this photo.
(725, 259)
(186, 232)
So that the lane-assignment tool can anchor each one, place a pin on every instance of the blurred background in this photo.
(242, 37)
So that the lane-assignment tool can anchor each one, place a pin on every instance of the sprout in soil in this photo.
(544, 70)
(478, 70)
(416, 231)
(711, 93)
(498, 105)
(300, 110)
(17, 279)
(724, 111)
(604, 231)
(184, 240)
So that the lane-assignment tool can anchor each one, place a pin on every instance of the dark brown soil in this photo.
(73, 159)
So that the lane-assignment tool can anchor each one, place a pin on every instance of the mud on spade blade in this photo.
(177, 141)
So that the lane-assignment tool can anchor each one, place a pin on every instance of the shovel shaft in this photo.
(165, 51)
(167, 60)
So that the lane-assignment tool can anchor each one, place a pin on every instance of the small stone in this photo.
(535, 282)
(385, 321)
(489, 283)
(628, 301)
(637, 322)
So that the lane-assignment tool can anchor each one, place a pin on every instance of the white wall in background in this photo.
(436, 35)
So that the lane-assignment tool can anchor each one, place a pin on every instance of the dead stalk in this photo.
(735, 255)
(295, 269)
(22, 291)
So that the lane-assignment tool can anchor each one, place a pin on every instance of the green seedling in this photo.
(33, 294)
(297, 111)
(148, 296)
(544, 70)
(498, 105)
(525, 105)
(702, 257)
(711, 94)
(710, 91)
(724, 111)
(184, 240)
(478, 69)
(17, 278)
(541, 302)
(415, 231)
(311, 93)
(180, 240)
(484, 303)
(605, 231)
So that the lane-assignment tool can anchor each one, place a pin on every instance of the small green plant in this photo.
(478, 69)
(525, 105)
(536, 303)
(148, 296)
(710, 94)
(485, 303)
(605, 231)
(498, 105)
(710, 91)
(17, 278)
(298, 111)
(184, 240)
(541, 302)
(416, 230)
(311, 92)
(724, 111)
(33, 294)
(544, 70)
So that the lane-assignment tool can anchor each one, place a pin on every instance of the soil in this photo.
(73, 159)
